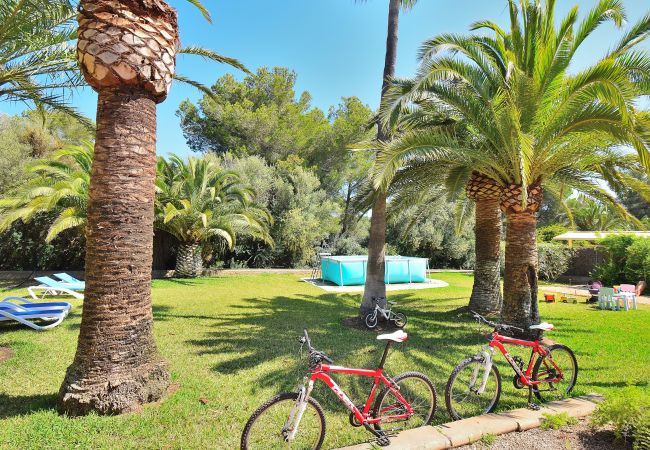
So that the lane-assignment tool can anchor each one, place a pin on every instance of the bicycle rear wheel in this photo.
(399, 320)
(418, 390)
(461, 394)
(544, 369)
(267, 427)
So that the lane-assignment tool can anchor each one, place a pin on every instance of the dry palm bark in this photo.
(486, 291)
(520, 287)
(126, 50)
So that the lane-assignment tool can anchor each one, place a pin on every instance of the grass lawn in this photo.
(231, 343)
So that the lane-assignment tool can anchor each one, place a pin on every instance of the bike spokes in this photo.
(415, 407)
(556, 372)
(464, 396)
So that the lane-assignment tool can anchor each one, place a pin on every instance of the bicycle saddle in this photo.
(397, 336)
(542, 326)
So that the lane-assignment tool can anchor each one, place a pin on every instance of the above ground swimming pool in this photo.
(351, 270)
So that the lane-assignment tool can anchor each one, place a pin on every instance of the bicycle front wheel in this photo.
(371, 320)
(545, 369)
(462, 392)
(268, 427)
(418, 390)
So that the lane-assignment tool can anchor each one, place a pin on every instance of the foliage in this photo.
(488, 439)
(304, 217)
(548, 232)
(557, 421)
(591, 215)
(198, 201)
(628, 410)
(216, 332)
(257, 116)
(36, 55)
(58, 185)
(553, 260)
(637, 264)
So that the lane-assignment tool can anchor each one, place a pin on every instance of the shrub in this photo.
(612, 271)
(547, 233)
(637, 264)
(553, 260)
(629, 412)
(557, 421)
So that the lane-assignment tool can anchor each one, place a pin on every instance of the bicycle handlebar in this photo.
(313, 353)
(496, 326)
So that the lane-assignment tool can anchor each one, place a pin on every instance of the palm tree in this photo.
(127, 53)
(536, 126)
(197, 201)
(58, 184)
(375, 288)
(35, 55)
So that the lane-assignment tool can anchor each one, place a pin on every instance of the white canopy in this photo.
(596, 235)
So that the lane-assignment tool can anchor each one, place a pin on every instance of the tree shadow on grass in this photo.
(18, 405)
(266, 329)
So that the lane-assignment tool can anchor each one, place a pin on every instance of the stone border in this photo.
(467, 431)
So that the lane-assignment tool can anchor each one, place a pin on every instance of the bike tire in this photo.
(259, 412)
(371, 320)
(401, 380)
(555, 348)
(453, 378)
(399, 320)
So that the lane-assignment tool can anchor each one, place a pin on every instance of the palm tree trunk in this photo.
(486, 291)
(189, 262)
(117, 368)
(520, 281)
(375, 286)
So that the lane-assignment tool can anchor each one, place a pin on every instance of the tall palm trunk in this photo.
(127, 53)
(375, 287)
(189, 261)
(520, 286)
(486, 291)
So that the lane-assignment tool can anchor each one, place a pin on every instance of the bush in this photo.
(612, 271)
(557, 421)
(547, 233)
(553, 260)
(637, 265)
(629, 413)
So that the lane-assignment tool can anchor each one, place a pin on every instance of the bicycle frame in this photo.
(321, 373)
(497, 341)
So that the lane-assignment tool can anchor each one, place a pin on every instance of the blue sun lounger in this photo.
(27, 312)
(64, 277)
(50, 286)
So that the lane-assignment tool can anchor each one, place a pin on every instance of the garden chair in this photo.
(27, 313)
(69, 279)
(606, 299)
(50, 286)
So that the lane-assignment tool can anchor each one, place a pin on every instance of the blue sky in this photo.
(335, 46)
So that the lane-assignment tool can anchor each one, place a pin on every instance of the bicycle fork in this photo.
(487, 367)
(295, 415)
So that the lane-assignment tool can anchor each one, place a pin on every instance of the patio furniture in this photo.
(626, 294)
(50, 286)
(69, 279)
(606, 298)
(28, 313)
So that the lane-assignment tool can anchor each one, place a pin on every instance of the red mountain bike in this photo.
(296, 420)
(474, 386)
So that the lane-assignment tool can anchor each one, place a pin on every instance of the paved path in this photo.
(331, 287)
(463, 432)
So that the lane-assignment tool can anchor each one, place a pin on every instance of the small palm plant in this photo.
(59, 184)
(200, 203)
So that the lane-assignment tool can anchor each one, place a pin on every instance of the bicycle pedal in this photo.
(533, 407)
(381, 441)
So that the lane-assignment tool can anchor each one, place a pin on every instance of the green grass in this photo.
(231, 341)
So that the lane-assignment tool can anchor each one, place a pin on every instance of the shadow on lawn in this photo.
(267, 329)
(18, 405)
